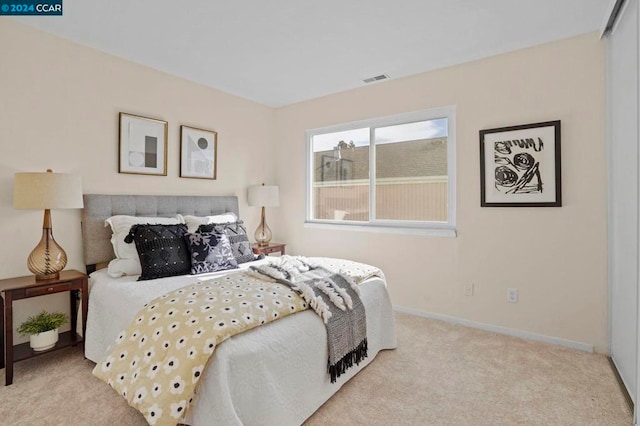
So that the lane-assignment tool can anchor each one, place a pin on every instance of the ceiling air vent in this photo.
(376, 78)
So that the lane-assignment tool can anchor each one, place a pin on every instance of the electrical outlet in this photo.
(468, 290)
(512, 295)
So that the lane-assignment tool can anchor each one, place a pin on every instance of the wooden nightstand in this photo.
(271, 248)
(25, 287)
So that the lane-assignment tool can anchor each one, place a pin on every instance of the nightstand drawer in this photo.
(53, 288)
(271, 248)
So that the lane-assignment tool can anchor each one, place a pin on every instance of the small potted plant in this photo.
(43, 329)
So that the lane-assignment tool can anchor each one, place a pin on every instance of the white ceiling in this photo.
(278, 52)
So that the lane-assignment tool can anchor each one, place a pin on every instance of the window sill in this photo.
(382, 229)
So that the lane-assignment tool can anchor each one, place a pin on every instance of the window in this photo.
(387, 173)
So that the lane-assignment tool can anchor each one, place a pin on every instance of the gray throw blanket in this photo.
(334, 297)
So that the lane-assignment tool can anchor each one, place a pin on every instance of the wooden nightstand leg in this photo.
(73, 305)
(8, 338)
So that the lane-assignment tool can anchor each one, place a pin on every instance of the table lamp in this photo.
(263, 196)
(46, 191)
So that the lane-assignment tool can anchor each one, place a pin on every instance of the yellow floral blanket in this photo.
(158, 359)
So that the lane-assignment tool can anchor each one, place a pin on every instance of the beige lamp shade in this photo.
(40, 191)
(263, 196)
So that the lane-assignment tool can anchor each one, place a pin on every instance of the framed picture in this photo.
(520, 166)
(198, 153)
(143, 145)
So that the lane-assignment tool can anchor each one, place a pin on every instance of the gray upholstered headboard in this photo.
(97, 208)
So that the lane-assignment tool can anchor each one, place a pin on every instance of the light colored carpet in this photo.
(441, 374)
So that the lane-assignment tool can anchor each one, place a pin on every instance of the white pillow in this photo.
(193, 222)
(127, 261)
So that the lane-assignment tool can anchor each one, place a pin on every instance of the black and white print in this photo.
(143, 145)
(198, 152)
(520, 166)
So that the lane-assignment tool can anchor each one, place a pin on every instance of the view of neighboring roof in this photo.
(418, 158)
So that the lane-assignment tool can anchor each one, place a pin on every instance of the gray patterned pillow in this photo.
(237, 234)
(210, 252)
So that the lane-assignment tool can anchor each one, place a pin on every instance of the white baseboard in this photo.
(498, 329)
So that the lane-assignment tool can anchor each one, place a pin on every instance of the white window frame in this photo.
(447, 228)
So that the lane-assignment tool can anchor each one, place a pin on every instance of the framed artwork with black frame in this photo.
(520, 166)
(198, 153)
(143, 145)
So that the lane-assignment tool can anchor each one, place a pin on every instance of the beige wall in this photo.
(59, 104)
(555, 257)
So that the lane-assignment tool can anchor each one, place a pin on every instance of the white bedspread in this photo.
(275, 374)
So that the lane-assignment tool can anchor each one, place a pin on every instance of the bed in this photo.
(275, 374)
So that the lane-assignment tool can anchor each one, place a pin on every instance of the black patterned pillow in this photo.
(237, 234)
(161, 249)
(210, 252)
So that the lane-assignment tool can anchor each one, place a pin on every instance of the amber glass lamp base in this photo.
(47, 259)
(263, 233)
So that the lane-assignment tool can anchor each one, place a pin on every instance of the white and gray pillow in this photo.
(193, 222)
